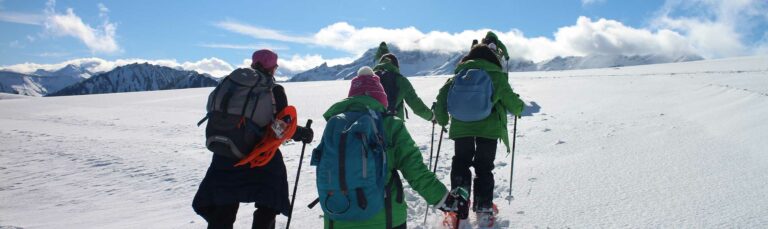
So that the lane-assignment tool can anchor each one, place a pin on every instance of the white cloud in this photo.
(584, 38)
(344, 36)
(589, 2)
(98, 40)
(608, 37)
(716, 28)
(22, 18)
(260, 33)
(298, 63)
(719, 30)
(53, 54)
(94, 64)
(762, 48)
(213, 66)
(103, 10)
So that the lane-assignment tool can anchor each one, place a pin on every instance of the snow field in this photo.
(670, 145)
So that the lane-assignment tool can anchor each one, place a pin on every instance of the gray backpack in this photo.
(239, 109)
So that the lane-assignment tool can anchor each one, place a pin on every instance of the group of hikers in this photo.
(365, 147)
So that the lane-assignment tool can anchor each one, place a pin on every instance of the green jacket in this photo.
(407, 93)
(402, 155)
(493, 37)
(383, 49)
(504, 100)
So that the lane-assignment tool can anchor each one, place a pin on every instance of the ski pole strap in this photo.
(314, 202)
(203, 120)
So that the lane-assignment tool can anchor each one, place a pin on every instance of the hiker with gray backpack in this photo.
(398, 88)
(248, 118)
(476, 101)
(360, 158)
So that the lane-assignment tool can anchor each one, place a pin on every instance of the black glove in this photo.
(453, 200)
(303, 134)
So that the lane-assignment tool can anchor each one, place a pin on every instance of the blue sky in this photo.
(216, 36)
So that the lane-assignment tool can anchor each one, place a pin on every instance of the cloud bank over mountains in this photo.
(213, 66)
(709, 28)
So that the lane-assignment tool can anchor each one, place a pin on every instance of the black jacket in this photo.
(265, 186)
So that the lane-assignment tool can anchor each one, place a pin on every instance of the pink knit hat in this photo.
(266, 58)
(367, 83)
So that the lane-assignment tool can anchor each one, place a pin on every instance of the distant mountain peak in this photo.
(425, 63)
(411, 63)
(139, 77)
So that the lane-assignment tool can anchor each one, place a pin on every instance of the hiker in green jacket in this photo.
(401, 152)
(476, 141)
(398, 87)
(383, 49)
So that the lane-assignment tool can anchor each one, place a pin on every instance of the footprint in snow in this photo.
(546, 130)
(532, 179)
(559, 142)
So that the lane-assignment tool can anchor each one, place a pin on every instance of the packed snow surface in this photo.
(678, 145)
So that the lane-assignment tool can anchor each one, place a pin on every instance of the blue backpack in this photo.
(351, 166)
(469, 99)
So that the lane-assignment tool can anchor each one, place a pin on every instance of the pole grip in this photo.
(309, 123)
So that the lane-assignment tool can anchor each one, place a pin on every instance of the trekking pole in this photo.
(432, 142)
(512, 163)
(295, 184)
(439, 143)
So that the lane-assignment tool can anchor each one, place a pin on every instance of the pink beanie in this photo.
(266, 58)
(367, 83)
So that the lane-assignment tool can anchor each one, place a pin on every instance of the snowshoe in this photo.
(486, 217)
(456, 208)
(451, 221)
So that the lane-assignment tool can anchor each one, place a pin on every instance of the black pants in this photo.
(223, 216)
(479, 153)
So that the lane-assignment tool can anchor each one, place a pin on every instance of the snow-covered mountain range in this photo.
(138, 77)
(427, 63)
(154, 77)
(411, 63)
(22, 84)
(41, 82)
(608, 61)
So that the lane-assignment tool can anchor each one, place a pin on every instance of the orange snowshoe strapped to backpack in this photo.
(263, 152)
